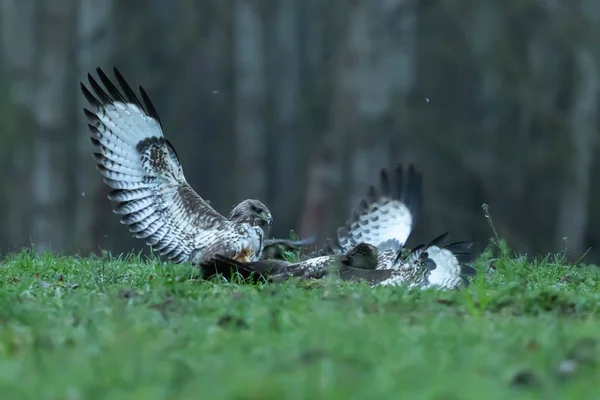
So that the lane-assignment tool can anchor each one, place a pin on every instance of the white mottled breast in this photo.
(407, 274)
(385, 259)
(446, 275)
(253, 240)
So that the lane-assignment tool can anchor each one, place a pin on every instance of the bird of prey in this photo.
(385, 218)
(370, 245)
(149, 188)
(356, 265)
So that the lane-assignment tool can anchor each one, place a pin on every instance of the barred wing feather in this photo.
(386, 216)
(147, 181)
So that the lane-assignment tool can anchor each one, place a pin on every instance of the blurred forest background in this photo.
(300, 103)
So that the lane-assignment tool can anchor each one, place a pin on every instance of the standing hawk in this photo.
(377, 231)
(143, 170)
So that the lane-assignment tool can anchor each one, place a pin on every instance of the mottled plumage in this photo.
(384, 219)
(356, 265)
(432, 265)
(370, 246)
(148, 185)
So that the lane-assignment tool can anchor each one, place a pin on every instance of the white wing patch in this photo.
(385, 217)
(384, 221)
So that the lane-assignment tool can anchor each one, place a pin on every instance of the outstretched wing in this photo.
(146, 177)
(385, 217)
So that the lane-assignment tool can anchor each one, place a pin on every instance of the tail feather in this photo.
(273, 271)
(466, 270)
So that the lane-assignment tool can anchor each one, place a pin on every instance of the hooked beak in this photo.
(268, 219)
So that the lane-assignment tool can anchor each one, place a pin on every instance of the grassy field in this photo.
(85, 328)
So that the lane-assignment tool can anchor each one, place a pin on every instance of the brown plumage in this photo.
(149, 188)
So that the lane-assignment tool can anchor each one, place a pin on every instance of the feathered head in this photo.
(253, 212)
(362, 256)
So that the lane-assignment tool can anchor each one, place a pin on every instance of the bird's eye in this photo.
(255, 209)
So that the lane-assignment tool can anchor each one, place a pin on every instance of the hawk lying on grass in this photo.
(147, 181)
(377, 230)
(385, 218)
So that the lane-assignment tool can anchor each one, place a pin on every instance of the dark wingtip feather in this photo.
(129, 93)
(438, 240)
(149, 106)
(95, 142)
(462, 251)
(100, 158)
(104, 98)
(372, 194)
(464, 257)
(398, 181)
(110, 87)
(384, 182)
(413, 194)
(91, 116)
(89, 97)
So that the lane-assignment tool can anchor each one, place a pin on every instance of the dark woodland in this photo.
(299, 103)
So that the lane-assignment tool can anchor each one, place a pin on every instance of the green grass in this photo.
(85, 328)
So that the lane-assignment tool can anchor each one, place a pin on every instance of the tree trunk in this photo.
(325, 168)
(249, 101)
(381, 71)
(55, 32)
(288, 149)
(573, 205)
(18, 56)
(95, 41)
